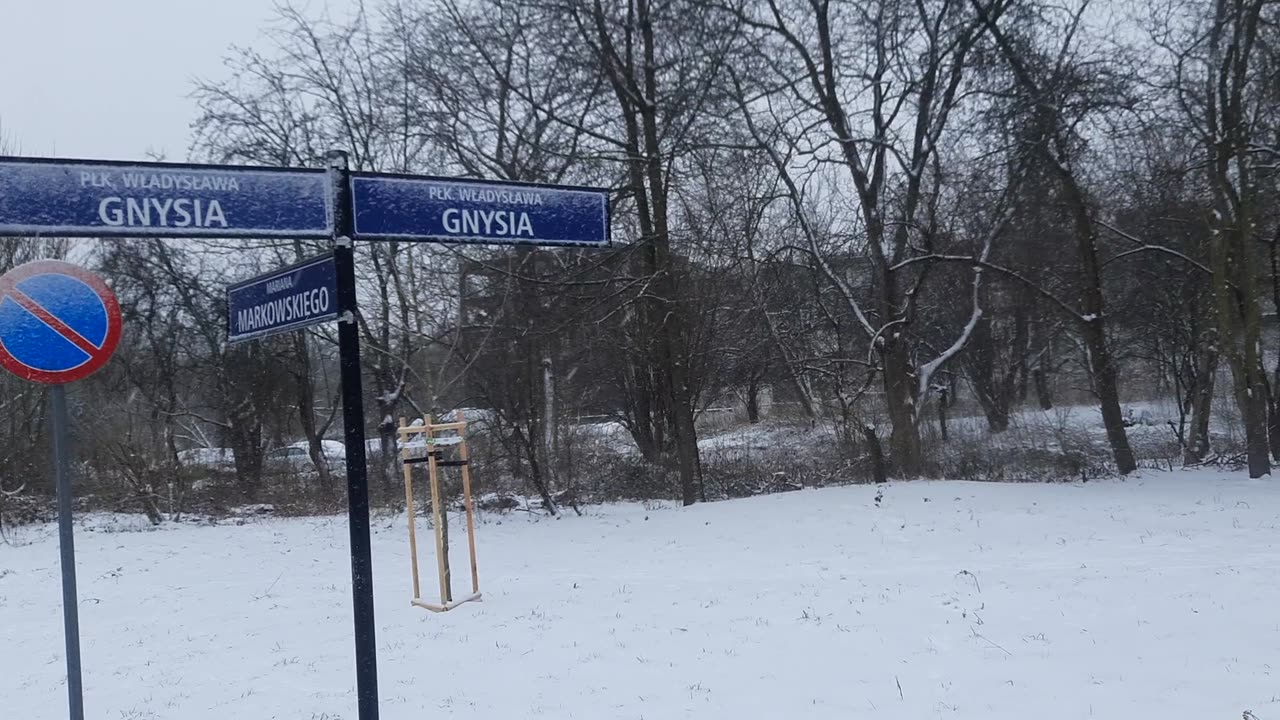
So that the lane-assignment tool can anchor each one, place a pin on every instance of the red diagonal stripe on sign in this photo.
(53, 322)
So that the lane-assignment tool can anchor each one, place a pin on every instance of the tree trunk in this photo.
(942, 414)
(1197, 446)
(1273, 391)
(1273, 428)
(997, 416)
(1253, 411)
(905, 449)
(1255, 395)
(548, 421)
(1108, 391)
(1230, 163)
(304, 394)
(1093, 325)
(753, 402)
(640, 410)
(1024, 373)
(526, 440)
(979, 362)
(1044, 395)
(672, 328)
(1240, 332)
(686, 443)
(246, 454)
(878, 470)
(994, 399)
(387, 438)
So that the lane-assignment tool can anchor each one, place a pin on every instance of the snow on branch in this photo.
(1000, 270)
(927, 370)
(794, 196)
(1148, 247)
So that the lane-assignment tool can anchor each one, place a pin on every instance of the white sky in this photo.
(111, 78)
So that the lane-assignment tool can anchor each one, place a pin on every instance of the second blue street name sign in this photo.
(394, 207)
(112, 199)
(288, 299)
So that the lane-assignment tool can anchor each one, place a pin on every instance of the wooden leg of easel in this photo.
(442, 557)
(413, 519)
(465, 456)
(444, 545)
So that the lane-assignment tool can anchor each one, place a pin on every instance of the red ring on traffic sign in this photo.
(98, 355)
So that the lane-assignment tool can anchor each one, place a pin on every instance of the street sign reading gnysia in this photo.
(288, 299)
(113, 199)
(448, 210)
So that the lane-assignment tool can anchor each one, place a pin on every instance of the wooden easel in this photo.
(431, 453)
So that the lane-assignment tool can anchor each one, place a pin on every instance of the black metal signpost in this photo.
(353, 420)
(88, 198)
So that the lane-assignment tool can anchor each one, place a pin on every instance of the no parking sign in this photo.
(58, 322)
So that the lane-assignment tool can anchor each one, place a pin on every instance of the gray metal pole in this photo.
(66, 543)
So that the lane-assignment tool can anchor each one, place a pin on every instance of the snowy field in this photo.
(1153, 598)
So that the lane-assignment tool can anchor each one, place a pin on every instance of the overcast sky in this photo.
(111, 78)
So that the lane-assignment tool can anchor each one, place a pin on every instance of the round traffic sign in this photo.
(58, 322)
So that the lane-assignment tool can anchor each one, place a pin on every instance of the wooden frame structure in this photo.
(422, 444)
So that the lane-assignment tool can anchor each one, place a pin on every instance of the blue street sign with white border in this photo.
(114, 199)
(288, 299)
(395, 207)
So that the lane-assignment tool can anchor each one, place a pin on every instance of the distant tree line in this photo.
(865, 211)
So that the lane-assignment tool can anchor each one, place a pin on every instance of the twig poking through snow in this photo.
(899, 684)
(988, 641)
(270, 587)
(975, 578)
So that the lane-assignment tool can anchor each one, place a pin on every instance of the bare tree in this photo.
(1229, 92)
(659, 61)
(884, 79)
(1219, 76)
(1061, 89)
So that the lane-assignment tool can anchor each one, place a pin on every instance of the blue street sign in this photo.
(288, 299)
(110, 199)
(392, 207)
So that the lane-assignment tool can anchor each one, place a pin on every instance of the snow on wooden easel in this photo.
(422, 444)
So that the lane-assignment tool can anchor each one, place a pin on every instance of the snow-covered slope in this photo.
(1152, 598)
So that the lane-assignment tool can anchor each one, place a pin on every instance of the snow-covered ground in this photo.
(1150, 598)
